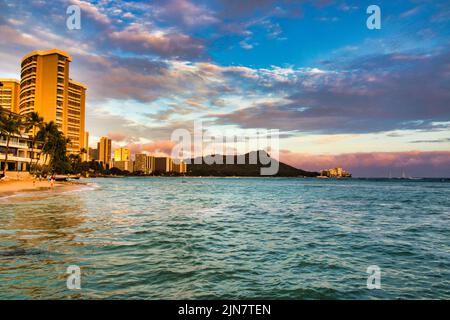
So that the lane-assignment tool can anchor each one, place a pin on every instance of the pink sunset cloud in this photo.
(157, 148)
(117, 136)
(414, 163)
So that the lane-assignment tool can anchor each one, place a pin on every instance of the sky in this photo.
(376, 102)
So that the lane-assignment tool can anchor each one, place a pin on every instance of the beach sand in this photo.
(10, 187)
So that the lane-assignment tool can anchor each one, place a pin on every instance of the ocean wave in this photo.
(82, 188)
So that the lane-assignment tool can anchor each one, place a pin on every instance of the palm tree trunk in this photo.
(45, 160)
(37, 160)
(52, 157)
(6, 154)
(32, 156)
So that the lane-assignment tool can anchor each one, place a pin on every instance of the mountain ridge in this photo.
(244, 170)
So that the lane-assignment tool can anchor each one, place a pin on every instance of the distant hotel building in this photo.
(122, 154)
(163, 164)
(167, 165)
(76, 116)
(122, 160)
(93, 154)
(104, 151)
(144, 163)
(124, 165)
(181, 167)
(335, 173)
(9, 94)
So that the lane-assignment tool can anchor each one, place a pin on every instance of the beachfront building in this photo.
(76, 109)
(122, 154)
(335, 173)
(144, 163)
(163, 164)
(179, 167)
(20, 153)
(127, 165)
(104, 151)
(9, 94)
(47, 89)
(93, 154)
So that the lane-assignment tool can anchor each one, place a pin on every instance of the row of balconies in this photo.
(27, 77)
(28, 62)
(14, 158)
(14, 144)
(27, 70)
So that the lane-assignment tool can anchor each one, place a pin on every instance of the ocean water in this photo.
(219, 238)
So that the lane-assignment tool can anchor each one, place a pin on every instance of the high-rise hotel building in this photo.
(9, 94)
(104, 151)
(144, 163)
(76, 116)
(122, 154)
(47, 89)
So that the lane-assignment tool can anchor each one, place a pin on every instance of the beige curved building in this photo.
(46, 88)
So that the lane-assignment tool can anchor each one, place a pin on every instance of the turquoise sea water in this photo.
(210, 238)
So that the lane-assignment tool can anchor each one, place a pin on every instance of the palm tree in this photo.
(58, 159)
(45, 135)
(75, 162)
(11, 124)
(33, 122)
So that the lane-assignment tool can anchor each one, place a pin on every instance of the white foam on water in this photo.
(83, 187)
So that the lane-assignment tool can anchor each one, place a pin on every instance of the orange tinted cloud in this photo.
(117, 136)
(157, 148)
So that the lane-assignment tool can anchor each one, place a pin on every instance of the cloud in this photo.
(413, 163)
(410, 12)
(185, 12)
(167, 43)
(92, 11)
(432, 141)
(16, 37)
(19, 39)
(157, 148)
(245, 45)
(380, 93)
(117, 136)
(187, 85)
(239, 9)
(150, 67)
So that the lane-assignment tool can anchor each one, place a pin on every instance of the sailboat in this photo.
(403, 174)
(404, 177)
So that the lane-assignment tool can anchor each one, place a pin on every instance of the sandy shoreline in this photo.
(11, 187)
